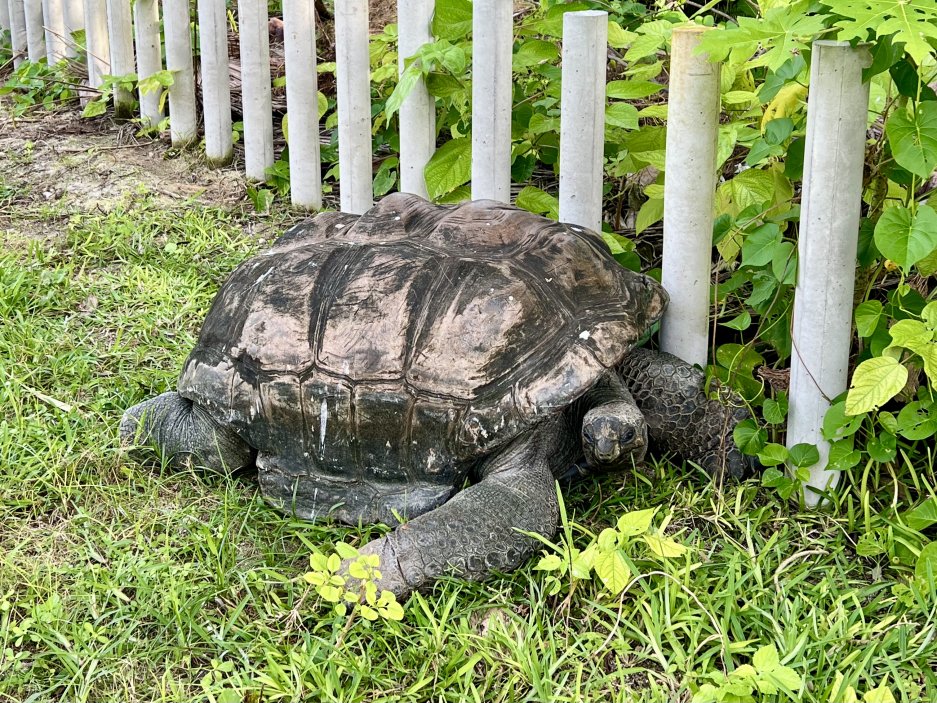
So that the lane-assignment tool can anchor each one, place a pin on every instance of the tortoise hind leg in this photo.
(480, 530)
(680, 418)
(182, 432)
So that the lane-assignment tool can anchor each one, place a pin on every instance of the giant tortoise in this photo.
(370, 366)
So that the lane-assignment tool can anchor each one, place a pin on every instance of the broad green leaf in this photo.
(651, 212)
(637, 522)
(740, 322)
(408, 80)
(908, 22)
(925, 568)
(664, 546)
(534, 51)
(95, 108)
(910, 334)
(922, 516)
(929, 315)
(773, 454)
(449, 167)
(619, 38)
(784, 263)
(621, 115)
(905, 238)
(759, 245)
(766, 659)
(786, 678)
(613, 570)
(881, 694)
(780, 32)
(875, 382)
(537, 201)
(632, 90)
(551, 562)
(867, 316)
(452, 19)
(804, 454)
(748, 437)
(913, 138)
(775, 411)
(843, 455)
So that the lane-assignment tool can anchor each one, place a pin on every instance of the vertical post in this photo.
(837, 109)
(120, 30)
(353, 81)
(4, 16)
(216, 81)
(182, 124)
(99, 54)
(17, 30)
(74, 16)
(582, 117)
(54, 13)
(255, 89)
(149, 56)
(299, 22)
(35, 33)
(418, 112)
(492, 29)
(689, 191)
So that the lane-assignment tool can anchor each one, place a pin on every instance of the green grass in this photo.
(123, 583)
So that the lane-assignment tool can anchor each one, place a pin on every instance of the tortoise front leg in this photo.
(480, 529)
(680, 418)
(182, 432)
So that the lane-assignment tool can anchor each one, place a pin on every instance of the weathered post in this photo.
(354, 105)
(418, 112)
(99, 52)
(17, 13)
(4, 16)
(255, 88)
(582, 117)
(120, 29)
(837, 109)
(689, 192)
(149, 56)
(35, 31)
(54, 13)
(299, 44)
(493, 32)
(216, 81)
(176, 26)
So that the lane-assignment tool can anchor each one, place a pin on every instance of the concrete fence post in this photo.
(178, 37)
(120, 30)
(353, 79)
(35, 30)
(417, 116)
(299, 44)
(149, 56)
(255, 88)
(493, 32)
(689, 194)
(98, 49)
(216, 81)
(56, 35)
(17, 12)
(837, 109)
(582, 117)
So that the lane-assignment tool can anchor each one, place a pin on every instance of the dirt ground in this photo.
(57, 164)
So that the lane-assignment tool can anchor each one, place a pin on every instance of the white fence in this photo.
(832, 170)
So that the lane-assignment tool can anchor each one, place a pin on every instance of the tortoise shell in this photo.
(390, 352)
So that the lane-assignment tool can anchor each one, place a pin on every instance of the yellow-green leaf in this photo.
(875, 382)
(664, 546)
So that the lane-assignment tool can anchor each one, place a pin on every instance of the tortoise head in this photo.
(614, 436)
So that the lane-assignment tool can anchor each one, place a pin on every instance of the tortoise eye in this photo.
(627, 436)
